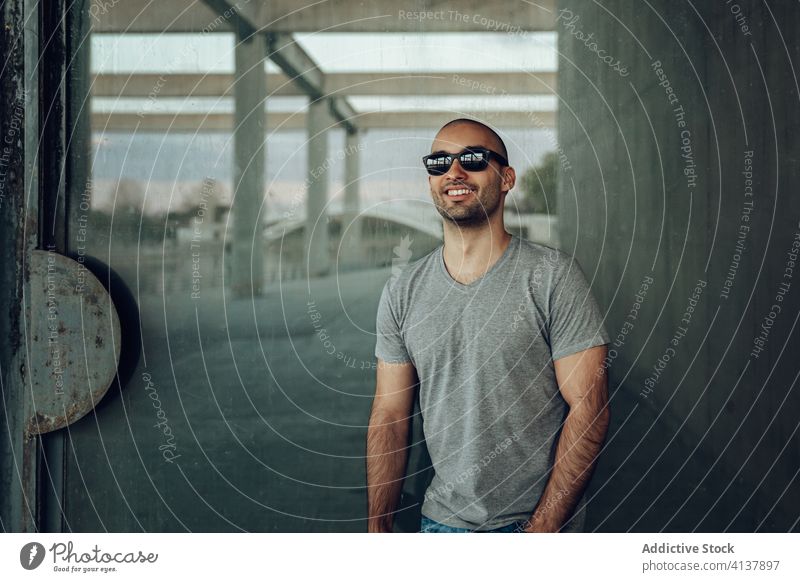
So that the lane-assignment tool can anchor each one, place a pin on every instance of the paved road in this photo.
(245, 416)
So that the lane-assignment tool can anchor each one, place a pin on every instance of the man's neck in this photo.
(469, 252)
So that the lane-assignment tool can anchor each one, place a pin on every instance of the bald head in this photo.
(455, 132)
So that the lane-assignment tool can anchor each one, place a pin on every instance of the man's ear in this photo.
(509, 178)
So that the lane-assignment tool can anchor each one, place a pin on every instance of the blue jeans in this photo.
(429, 526)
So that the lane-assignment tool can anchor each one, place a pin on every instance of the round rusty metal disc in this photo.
(74, 346)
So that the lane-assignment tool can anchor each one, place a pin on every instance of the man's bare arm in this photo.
(583, 384)
(387, 441)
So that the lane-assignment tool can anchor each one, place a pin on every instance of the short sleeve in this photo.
(576, 323)
(389, 344)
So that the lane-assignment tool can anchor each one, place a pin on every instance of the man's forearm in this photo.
(387, 453)
(580, 441)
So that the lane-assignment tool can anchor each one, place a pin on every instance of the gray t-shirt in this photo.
(484, 354)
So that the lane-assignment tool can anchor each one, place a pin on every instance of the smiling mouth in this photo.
(458, 192)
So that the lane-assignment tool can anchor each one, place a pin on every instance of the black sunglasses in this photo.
(471, 159)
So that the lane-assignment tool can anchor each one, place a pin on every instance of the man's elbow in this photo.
(602, 421)
(593, 412)
(389, 419)
(604, 416)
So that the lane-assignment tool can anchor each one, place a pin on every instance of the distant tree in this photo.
(537, 187)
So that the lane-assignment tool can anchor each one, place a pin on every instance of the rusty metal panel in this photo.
(74, 342)
(18, 228)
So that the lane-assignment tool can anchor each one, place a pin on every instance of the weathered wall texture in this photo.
(657, 190)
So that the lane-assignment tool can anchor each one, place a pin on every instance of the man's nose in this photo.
(456, 171)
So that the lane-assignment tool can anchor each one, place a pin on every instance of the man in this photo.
(506, 345)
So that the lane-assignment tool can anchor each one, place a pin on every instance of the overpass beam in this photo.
(509, 16)
(250, 94)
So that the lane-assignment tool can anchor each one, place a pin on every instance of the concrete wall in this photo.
(630, 208)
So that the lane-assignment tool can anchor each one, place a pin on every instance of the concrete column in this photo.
(351, 169)
(674, 187)
(250, 93)
(352, 252)
(316, 231)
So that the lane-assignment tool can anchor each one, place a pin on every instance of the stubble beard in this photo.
(475, 214)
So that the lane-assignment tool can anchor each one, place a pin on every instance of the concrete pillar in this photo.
(316, 231)
(674, 187)
(352, 253)
(250, 93)
(351, 169)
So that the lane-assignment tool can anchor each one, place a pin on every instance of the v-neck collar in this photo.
(477, 282)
